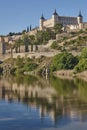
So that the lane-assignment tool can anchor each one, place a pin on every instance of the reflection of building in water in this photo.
(45, 98)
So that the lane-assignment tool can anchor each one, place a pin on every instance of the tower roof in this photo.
(80, 15)
(55, 13)
(42, 17)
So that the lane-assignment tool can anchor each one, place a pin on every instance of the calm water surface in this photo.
(34, 103)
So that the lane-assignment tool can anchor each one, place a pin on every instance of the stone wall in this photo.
(31, 48)
(2, 48)
(48, 23)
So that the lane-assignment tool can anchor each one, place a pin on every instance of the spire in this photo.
(42, 17)
(80, 15)
(55, 13)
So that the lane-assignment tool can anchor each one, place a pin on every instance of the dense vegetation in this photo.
(63, 60)
(41, 37)
(19, 65)
(66, 43)
(82, 65)
(67, 61)
(24, 65)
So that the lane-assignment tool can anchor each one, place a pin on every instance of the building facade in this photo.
(66, 21)
(2, 46)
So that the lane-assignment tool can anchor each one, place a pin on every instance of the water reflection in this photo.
(60, 99)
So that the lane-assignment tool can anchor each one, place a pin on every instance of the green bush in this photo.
(84, 53)
(63, 60)
(54, 45)
(19, 71)
(30, 66)
(82, 65)
(19, 62)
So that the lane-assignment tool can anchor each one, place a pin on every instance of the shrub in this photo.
(84, 53)
(30, 66)
(63, 60)
(19, 71)
(54, 45)
(19, 62)
(82, 65)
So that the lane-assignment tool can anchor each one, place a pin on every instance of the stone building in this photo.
(2, 46)
(66, 21)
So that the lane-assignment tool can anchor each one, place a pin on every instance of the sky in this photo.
(17, 15)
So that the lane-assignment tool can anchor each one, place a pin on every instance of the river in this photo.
(35, 103)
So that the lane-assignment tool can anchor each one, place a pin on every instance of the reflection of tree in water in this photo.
(62, 86)
(26, 80)
(3, 92)
(69, 98)
(71, 88)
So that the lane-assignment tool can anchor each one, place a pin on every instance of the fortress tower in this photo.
(80, 18)
(42, 19)
(2, 46)
(55, 18)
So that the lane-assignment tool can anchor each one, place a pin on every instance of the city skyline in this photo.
(17, 15)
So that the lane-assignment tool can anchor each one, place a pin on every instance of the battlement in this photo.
(67, 21)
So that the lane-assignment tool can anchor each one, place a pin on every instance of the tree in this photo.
(42, 37)
(84, 53)
(63, 60)
(58, 28)
(24, 31)
(30, 66)
(54, 45)
(82, 65)
(19, 62)
(26, 42)
(39, 37)
(18, 43)
(32, 39)
(11, 34)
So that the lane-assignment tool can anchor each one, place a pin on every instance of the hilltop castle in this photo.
(68, 22)
(72, 23)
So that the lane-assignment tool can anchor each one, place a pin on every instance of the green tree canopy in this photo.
(30, 66)
(44, 36)
(58, 28)
(26, 42)
(54, 45)
(63, 60)
(32, 39)
(18, 43)
(19, 62)
(82, 65)
(84, 53)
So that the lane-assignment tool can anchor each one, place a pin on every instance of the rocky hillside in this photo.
(72, 42)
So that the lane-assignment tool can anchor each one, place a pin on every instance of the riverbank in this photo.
(69, 74)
